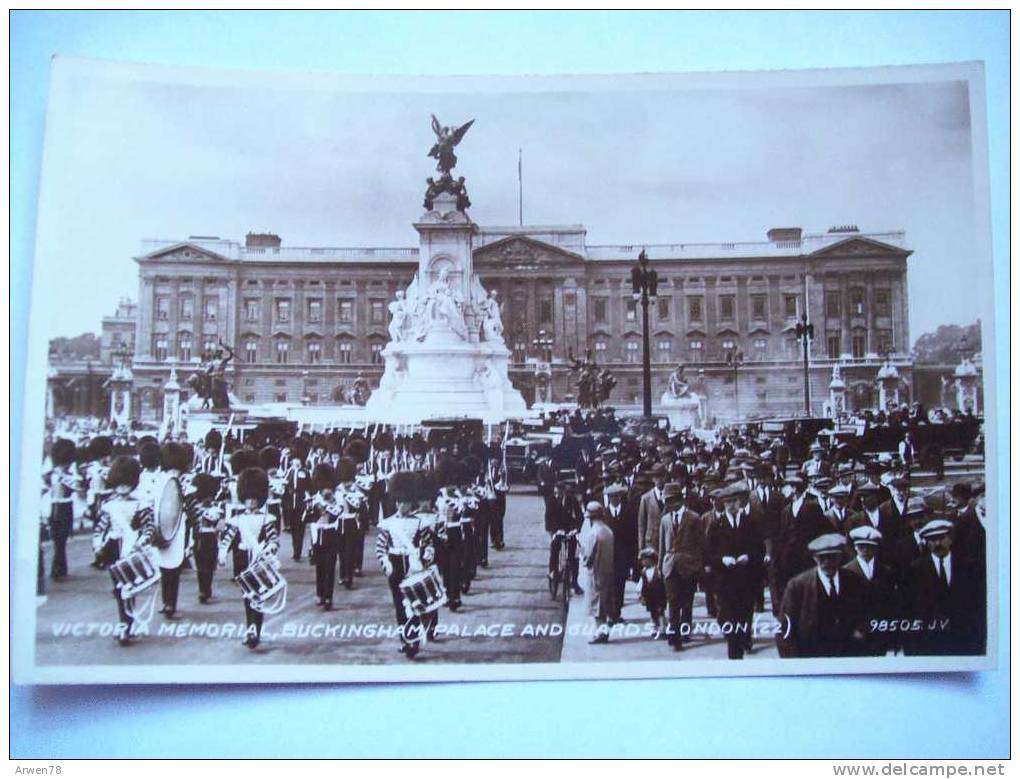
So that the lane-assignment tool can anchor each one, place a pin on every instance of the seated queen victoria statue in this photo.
(684, 407)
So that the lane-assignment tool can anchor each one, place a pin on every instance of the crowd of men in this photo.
(438, 509)
(855, 561)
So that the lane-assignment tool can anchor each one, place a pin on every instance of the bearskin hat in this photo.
(447, 472)
(213, 439)
(299, 447)
(82, 455)
(189, 449)
(124, 472)
(62, 452)
(253, 484)
(147, 439)
(417, 446)
(101, 446)
(318, 441)
(383, 441)
(357, 450)
(269, 457)
(149, 454)
(403, 487)
(323, 477)
(206, 486)
(242, 459)
(174, 456)
(346, 470)
(427, 486)
(471, 467)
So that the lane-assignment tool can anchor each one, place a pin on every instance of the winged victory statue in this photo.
(446, 139)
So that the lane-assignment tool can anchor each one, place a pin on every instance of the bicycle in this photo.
(560, 578)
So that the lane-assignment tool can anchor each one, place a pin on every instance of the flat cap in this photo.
(736, 489)
(615, 489)
(594, 508)
(865, 534)
(936, 528)
(830, 543)
(840, 489)
(915, 507)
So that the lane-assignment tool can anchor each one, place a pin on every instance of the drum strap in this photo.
(404, 545)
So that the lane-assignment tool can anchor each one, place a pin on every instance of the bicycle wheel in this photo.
(554, 582)
(566, 575)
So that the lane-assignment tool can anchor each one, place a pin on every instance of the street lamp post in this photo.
(645, 284)
(805, 332)
(543, 343)
(735, 358)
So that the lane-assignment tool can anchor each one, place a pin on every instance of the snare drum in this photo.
(423, 591)
(134, 574)
(263, 586)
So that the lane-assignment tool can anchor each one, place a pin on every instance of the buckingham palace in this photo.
(305, 321)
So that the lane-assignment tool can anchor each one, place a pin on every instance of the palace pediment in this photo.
(517, 252)
(859, 247)
(183, 252)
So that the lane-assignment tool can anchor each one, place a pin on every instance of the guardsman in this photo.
(249, 535)
(208, 513)
(352, 504)
(404, 545)
(356, 494)
(450, 548)
(62, 483)
(124, 525)
(824, 608)
(175, 461)
(467, 472)
(322, 518)
(296, 493)
(269, 461)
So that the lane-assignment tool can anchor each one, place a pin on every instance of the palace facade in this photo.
(305, 321)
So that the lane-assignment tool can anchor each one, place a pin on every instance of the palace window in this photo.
(758, 307)
(377, 353)
(665, 308)
(793, 348)
(726, 307)
(314, 352)
(633, 349)
(631, 309)
(160, 348)
(345, 349)
(545, 311)
(280, 397)
(790, 306)
(279, 382)
(857, 301)
(378, 312)
(249, 397)
(858, 345)
(282, 309)
(209, 345)
(251, 309)
(728, 345)
(184, 347)
(832, 305)
(599, 309)
(282, 352)
(882, 307)
(695, 350)
(601, 347)
(694, 309)
(251, 350)
(761, 349)
(345, 311)
(834, 344)
(212, 307)
(315, 310)
(883, 341)
(162, 308)
(187, 307)
(664, 351)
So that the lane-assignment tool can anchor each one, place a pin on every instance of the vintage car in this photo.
(522, 455)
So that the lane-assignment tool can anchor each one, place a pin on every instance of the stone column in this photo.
(172, 405)
(146, 300)
(966, 381)
(888, 379)
(837, 392)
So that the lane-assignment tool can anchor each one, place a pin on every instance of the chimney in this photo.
(777, 234)
(262, 239)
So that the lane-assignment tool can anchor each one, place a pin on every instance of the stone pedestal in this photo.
(888, 379)
(966, 380)
(837, 393)
(172, 404)
(439, 363)
(120, 396)
(687, 411)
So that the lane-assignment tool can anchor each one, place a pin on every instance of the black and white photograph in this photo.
(337, 378)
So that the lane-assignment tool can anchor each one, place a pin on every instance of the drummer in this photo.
(201, 503)
(176, 461)
(405, 546)
(123, 525)
(250, 535)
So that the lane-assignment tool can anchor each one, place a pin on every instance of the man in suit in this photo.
(800, 523)
(946, 595)
(766, 509)
(817, 465)
(908, 545)
(837, 513)
(881, 594)
(735, 550)
(715, 510)
(969, 536)
(681, 555)
(622, 520)
(823, 608)
(650, 509)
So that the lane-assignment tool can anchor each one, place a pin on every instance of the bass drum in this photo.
(169, 510)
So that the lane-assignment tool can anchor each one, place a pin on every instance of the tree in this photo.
(83, 347)
(943, 346)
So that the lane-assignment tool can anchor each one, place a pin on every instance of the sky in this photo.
(128, 158)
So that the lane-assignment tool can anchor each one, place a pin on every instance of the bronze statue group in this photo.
(159, 509)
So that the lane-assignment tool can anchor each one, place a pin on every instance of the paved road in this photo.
(505, 599)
